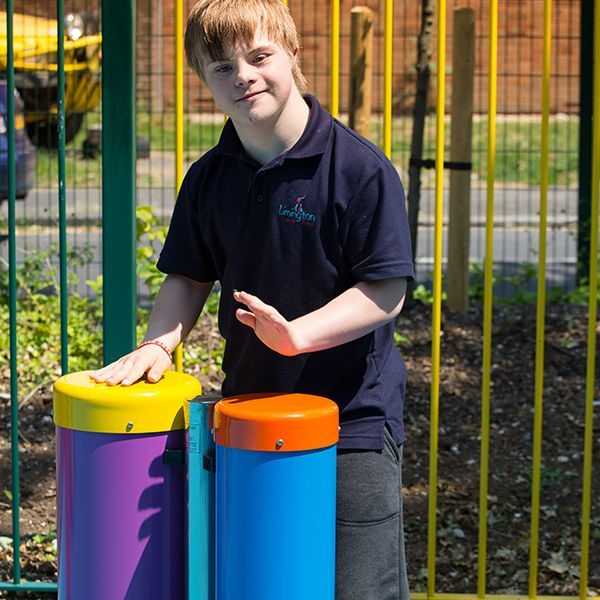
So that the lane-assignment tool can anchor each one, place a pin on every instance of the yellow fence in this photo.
(437, 276)
(488, 297)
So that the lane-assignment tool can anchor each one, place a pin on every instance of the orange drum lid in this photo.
(276, 422)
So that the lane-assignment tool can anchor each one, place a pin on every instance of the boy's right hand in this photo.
(149, 360)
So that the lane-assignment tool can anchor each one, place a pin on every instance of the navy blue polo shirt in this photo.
(325, 215)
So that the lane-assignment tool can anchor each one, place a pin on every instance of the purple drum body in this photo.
(121, 524)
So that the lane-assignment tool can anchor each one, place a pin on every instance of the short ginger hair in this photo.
(215, 25)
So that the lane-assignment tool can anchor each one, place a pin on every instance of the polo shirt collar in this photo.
(312, 142)
(315, 138)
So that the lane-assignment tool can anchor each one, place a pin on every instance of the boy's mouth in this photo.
(250, 96)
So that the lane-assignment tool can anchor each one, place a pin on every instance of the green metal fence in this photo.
(17, 583)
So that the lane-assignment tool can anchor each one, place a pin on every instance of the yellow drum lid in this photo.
(84, 405)
(276, 422)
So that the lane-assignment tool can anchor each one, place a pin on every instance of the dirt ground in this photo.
(509, 492)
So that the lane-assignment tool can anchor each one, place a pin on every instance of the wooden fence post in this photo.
(463, 59)
(361, 68)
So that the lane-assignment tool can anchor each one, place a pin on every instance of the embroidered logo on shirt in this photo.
(296, 214)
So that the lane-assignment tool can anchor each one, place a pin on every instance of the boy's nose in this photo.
(245, 75)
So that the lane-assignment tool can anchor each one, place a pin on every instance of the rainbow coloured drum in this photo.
(121, 488)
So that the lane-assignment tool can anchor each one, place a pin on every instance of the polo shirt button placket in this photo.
(258, 209)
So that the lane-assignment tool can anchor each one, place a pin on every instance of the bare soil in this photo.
(458, 463)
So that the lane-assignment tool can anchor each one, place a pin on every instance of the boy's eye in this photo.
(222, 69)
(260, 57)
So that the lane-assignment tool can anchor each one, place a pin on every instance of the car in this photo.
(35, 63)
(25, 152)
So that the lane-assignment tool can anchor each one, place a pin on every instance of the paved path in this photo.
(516, 221)
(513, 206)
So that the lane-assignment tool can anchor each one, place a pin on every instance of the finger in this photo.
(148, 359)
(156, 372)
(245, 317)
(97, 376)
(254, 303)
(103, 373)
(135, 373)
(120, 373)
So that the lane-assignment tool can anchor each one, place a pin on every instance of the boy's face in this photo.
(255, 81)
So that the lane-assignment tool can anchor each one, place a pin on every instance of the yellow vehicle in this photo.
(35, 58)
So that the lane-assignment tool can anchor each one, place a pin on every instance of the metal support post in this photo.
(118, 176)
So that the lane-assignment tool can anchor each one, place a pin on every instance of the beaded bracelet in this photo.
(156, 343)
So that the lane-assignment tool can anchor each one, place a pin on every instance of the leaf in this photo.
(557, 563)
(5, 542)
(458, 554)
(521, 575)
(492, 519)
(399, 338)
(506, 554)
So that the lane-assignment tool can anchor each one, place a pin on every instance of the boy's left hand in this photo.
(356, 312)
(268, 324)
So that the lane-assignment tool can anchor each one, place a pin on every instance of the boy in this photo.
(307, 220)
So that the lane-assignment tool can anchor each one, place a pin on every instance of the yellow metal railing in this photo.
(334, 54)
(443, 596)
(541, 308)
(178, 354)
(388, 40)
(592, 317)
(488, 300)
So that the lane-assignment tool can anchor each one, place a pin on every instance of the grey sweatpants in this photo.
(370, 559)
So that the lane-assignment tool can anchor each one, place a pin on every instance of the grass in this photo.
(518, 156)
(198, 136)
(518, 148)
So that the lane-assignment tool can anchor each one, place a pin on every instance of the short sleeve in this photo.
(375, 232)
(184, 251)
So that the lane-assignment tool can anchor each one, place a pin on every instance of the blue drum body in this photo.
(275, 524)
